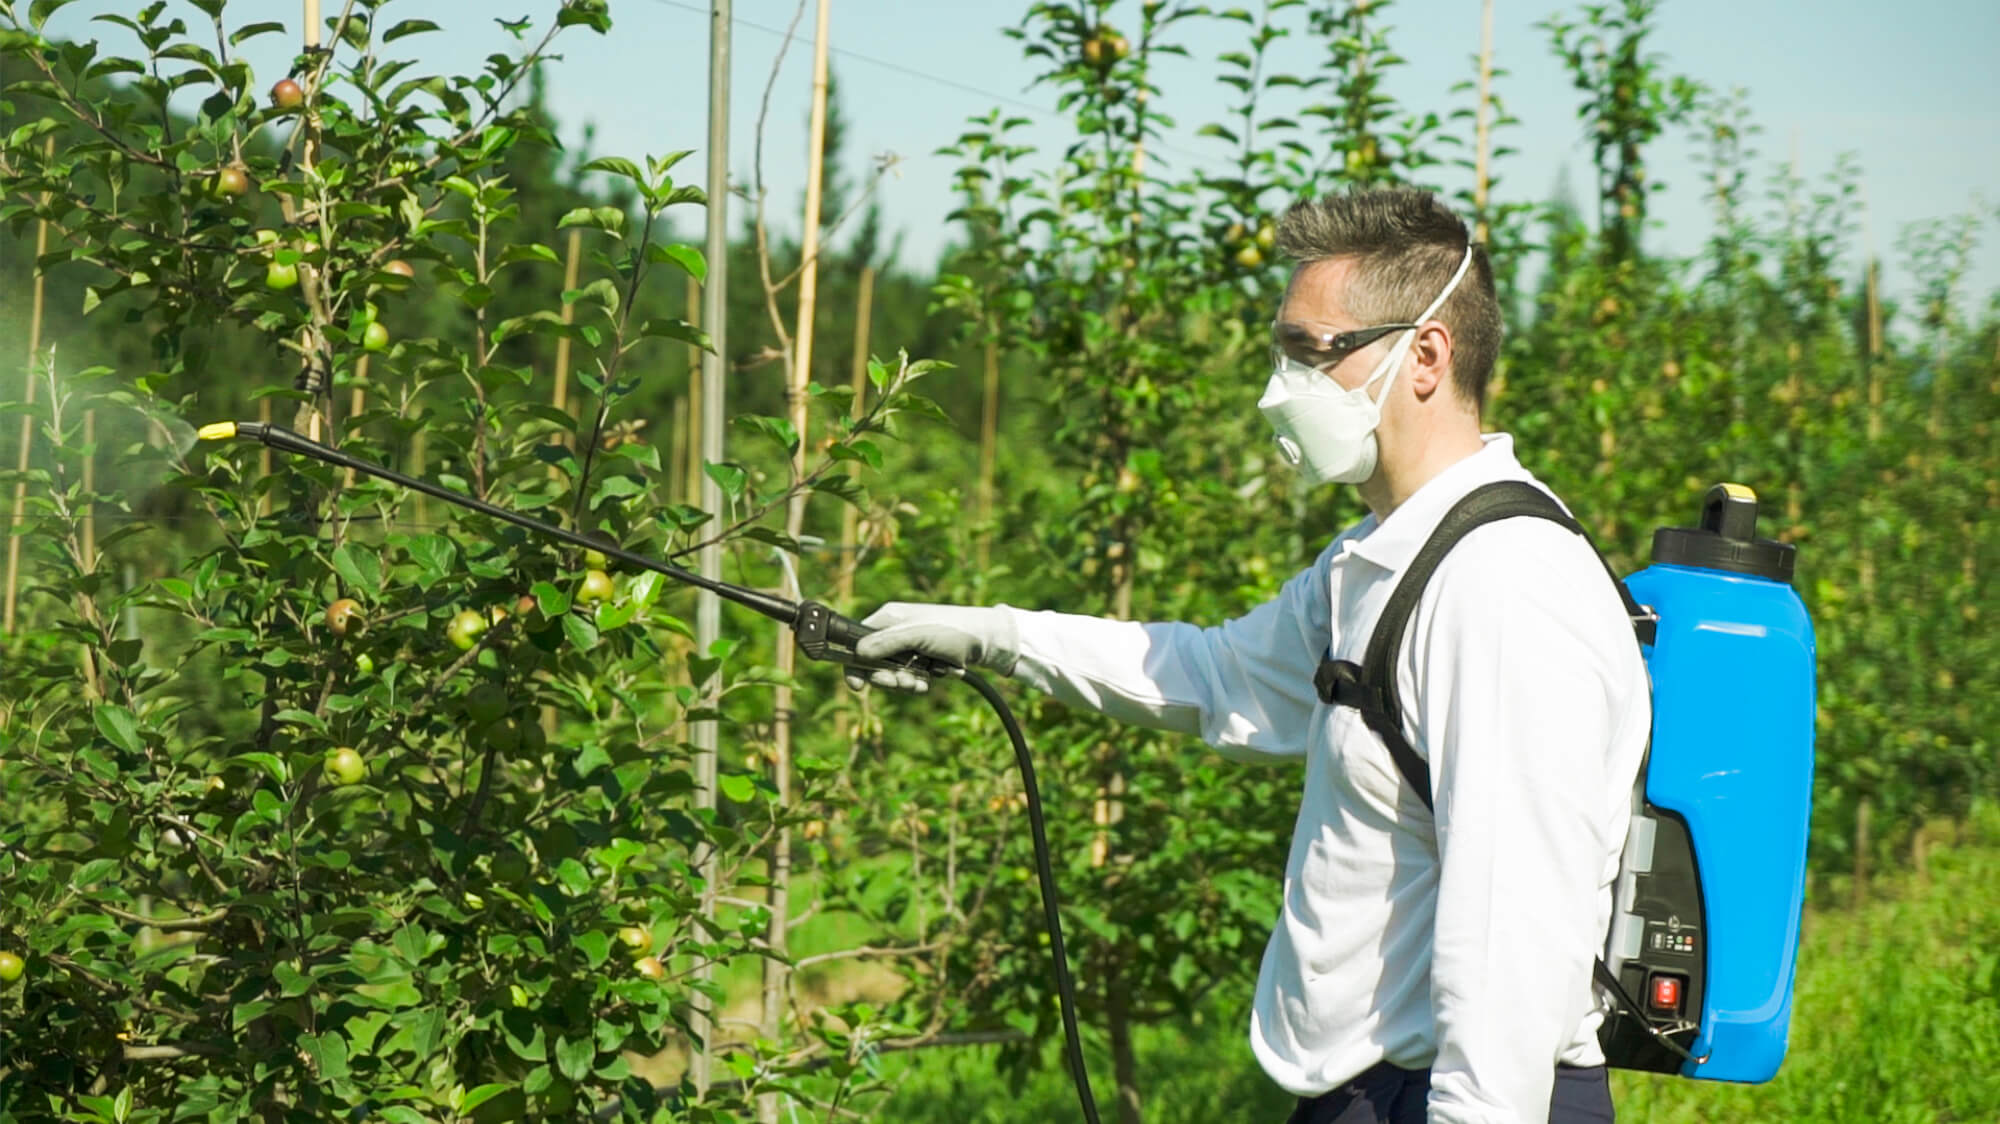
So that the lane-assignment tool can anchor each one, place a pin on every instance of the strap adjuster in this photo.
(1338, 683)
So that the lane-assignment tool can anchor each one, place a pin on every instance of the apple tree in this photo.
(371, 805)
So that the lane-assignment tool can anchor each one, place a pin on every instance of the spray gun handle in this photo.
(826, 635)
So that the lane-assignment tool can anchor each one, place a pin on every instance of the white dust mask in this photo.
(1326, 431)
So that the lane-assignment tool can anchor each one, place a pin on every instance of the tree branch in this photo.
(172, 1053)
(867, 950)
(169, 924)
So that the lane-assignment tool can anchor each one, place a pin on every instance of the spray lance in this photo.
(822, 635)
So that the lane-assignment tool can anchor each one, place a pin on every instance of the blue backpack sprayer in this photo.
(1706, 922)
(1705, 925)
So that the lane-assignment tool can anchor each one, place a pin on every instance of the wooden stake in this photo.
(418, 466)
(708, 560)
(27, 419)
(850, 516)
(264, 459)
(357, 402)
(1862, 846)
(572, 268)
(989, 430)
(694, 471)
(1483, 146)
(309, 413)
(777, 974)
(89, 485)
(1874, 349)
(677, 464)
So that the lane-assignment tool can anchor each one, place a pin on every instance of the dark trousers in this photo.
(1386, 1094)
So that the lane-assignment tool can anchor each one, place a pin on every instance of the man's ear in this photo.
(1430, 360)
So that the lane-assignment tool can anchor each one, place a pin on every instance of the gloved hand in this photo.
(966, 635)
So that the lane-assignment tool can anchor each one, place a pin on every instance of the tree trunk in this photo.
(989, 434)
(1124, 1058)
(1861, 848)
(28, 420)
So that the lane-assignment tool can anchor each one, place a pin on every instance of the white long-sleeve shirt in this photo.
(1462, 941)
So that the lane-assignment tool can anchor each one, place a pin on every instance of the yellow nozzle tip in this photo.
(216, 431)
(1739, 492)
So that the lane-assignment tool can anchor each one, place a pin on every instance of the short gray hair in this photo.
(1406, 244)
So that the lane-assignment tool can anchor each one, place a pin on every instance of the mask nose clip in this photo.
(1290, 450)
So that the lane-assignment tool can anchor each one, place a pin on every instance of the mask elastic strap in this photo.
(1402, 347)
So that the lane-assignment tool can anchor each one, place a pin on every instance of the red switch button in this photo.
(1666, 993)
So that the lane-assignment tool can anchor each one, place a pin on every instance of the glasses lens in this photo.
(1290, 342)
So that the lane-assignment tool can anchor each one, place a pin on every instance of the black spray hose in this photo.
(1051, 914)
(822, 634)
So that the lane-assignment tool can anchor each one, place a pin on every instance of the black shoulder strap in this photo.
(1371, 687)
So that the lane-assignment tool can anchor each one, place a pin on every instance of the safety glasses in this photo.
(1321, 350)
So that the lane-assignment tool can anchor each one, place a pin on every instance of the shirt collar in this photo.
(1393, 542)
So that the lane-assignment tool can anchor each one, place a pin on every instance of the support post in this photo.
(850, 516)
(356, 402)
(572, 269)
(27, 419)
(1483, 118)
(708, 609)
(989, 443)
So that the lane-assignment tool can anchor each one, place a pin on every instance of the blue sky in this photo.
(1910, 89)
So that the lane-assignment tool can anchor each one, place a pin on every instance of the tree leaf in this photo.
(617, 166)
(580, 632)
(729, 477)
(688, 258)
(573, 1058)
(476, 1097)
(118, 726)
(360, 569)
(408, 27)
(434, 555)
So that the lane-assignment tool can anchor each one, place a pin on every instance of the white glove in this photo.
(961, 634)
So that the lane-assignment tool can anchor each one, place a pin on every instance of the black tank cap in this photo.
(1726, 539)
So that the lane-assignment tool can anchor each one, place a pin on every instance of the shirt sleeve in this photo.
(1245, 687)
(1525, 689)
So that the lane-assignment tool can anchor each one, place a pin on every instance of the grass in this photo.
(1896, 1021)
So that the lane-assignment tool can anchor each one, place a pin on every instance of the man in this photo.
(1424, 965)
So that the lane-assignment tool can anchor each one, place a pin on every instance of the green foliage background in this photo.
(445, 935)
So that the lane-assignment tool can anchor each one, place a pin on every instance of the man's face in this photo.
(1314, 311)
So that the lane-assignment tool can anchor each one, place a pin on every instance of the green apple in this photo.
(485, 703)
(375, 337)
(504, 736)
(510, 867)
(596, 586)
(280, 277)
(345, 767)
(465, 629)
(11, 967)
